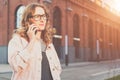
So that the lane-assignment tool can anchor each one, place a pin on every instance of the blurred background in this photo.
(87, 30)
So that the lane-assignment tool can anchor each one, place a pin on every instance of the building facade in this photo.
(86, 30)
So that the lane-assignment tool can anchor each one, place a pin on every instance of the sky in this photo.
(115, 4)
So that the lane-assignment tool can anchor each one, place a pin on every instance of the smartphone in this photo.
(30, 23)
(35, 30)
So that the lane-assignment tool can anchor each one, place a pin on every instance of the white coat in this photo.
(27, 66)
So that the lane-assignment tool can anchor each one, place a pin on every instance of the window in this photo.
(90, 33)
(57, 25)
(19, 16)
(76, 34)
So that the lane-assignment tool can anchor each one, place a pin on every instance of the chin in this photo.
(40, 29)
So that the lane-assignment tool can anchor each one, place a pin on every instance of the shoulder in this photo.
(15, 38)
(15, 35)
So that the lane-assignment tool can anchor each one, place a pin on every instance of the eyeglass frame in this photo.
(38, 17)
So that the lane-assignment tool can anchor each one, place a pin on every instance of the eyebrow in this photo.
(39, 14)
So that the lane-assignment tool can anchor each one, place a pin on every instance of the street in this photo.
(84, 71)
(94, 71)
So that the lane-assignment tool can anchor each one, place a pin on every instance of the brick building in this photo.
(86, 30)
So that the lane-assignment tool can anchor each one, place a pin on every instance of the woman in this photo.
(31, 53)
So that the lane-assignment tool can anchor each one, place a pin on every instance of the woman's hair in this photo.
(28, 12)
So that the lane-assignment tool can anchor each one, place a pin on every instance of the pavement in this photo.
(78, 71)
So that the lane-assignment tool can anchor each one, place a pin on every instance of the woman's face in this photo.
(39, 18)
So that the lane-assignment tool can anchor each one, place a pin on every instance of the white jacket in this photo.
(27, 66)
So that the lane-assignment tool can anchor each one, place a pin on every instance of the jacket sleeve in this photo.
(17, 57)
(57, 64)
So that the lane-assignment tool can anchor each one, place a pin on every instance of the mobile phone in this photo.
(36, 32)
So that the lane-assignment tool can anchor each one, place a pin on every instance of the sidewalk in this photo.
(82, 64)
(81, 71)
(6, 67)
(92, 71)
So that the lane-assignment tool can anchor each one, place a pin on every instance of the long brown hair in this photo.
(28, 12)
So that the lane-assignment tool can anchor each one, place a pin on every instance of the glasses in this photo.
(39, 17)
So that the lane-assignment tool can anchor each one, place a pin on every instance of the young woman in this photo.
(31, 53)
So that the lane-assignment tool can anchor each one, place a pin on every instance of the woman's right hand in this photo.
(32, 32)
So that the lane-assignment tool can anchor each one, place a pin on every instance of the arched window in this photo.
(57, 20)
(19, 16)
(76, 33)
(57, 26)
(90, 38)
(111, 41)
(101, 40)
(90, 34)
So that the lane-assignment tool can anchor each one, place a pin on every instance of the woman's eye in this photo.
(36, 16)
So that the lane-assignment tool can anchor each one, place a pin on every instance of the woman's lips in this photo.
(41, 24)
